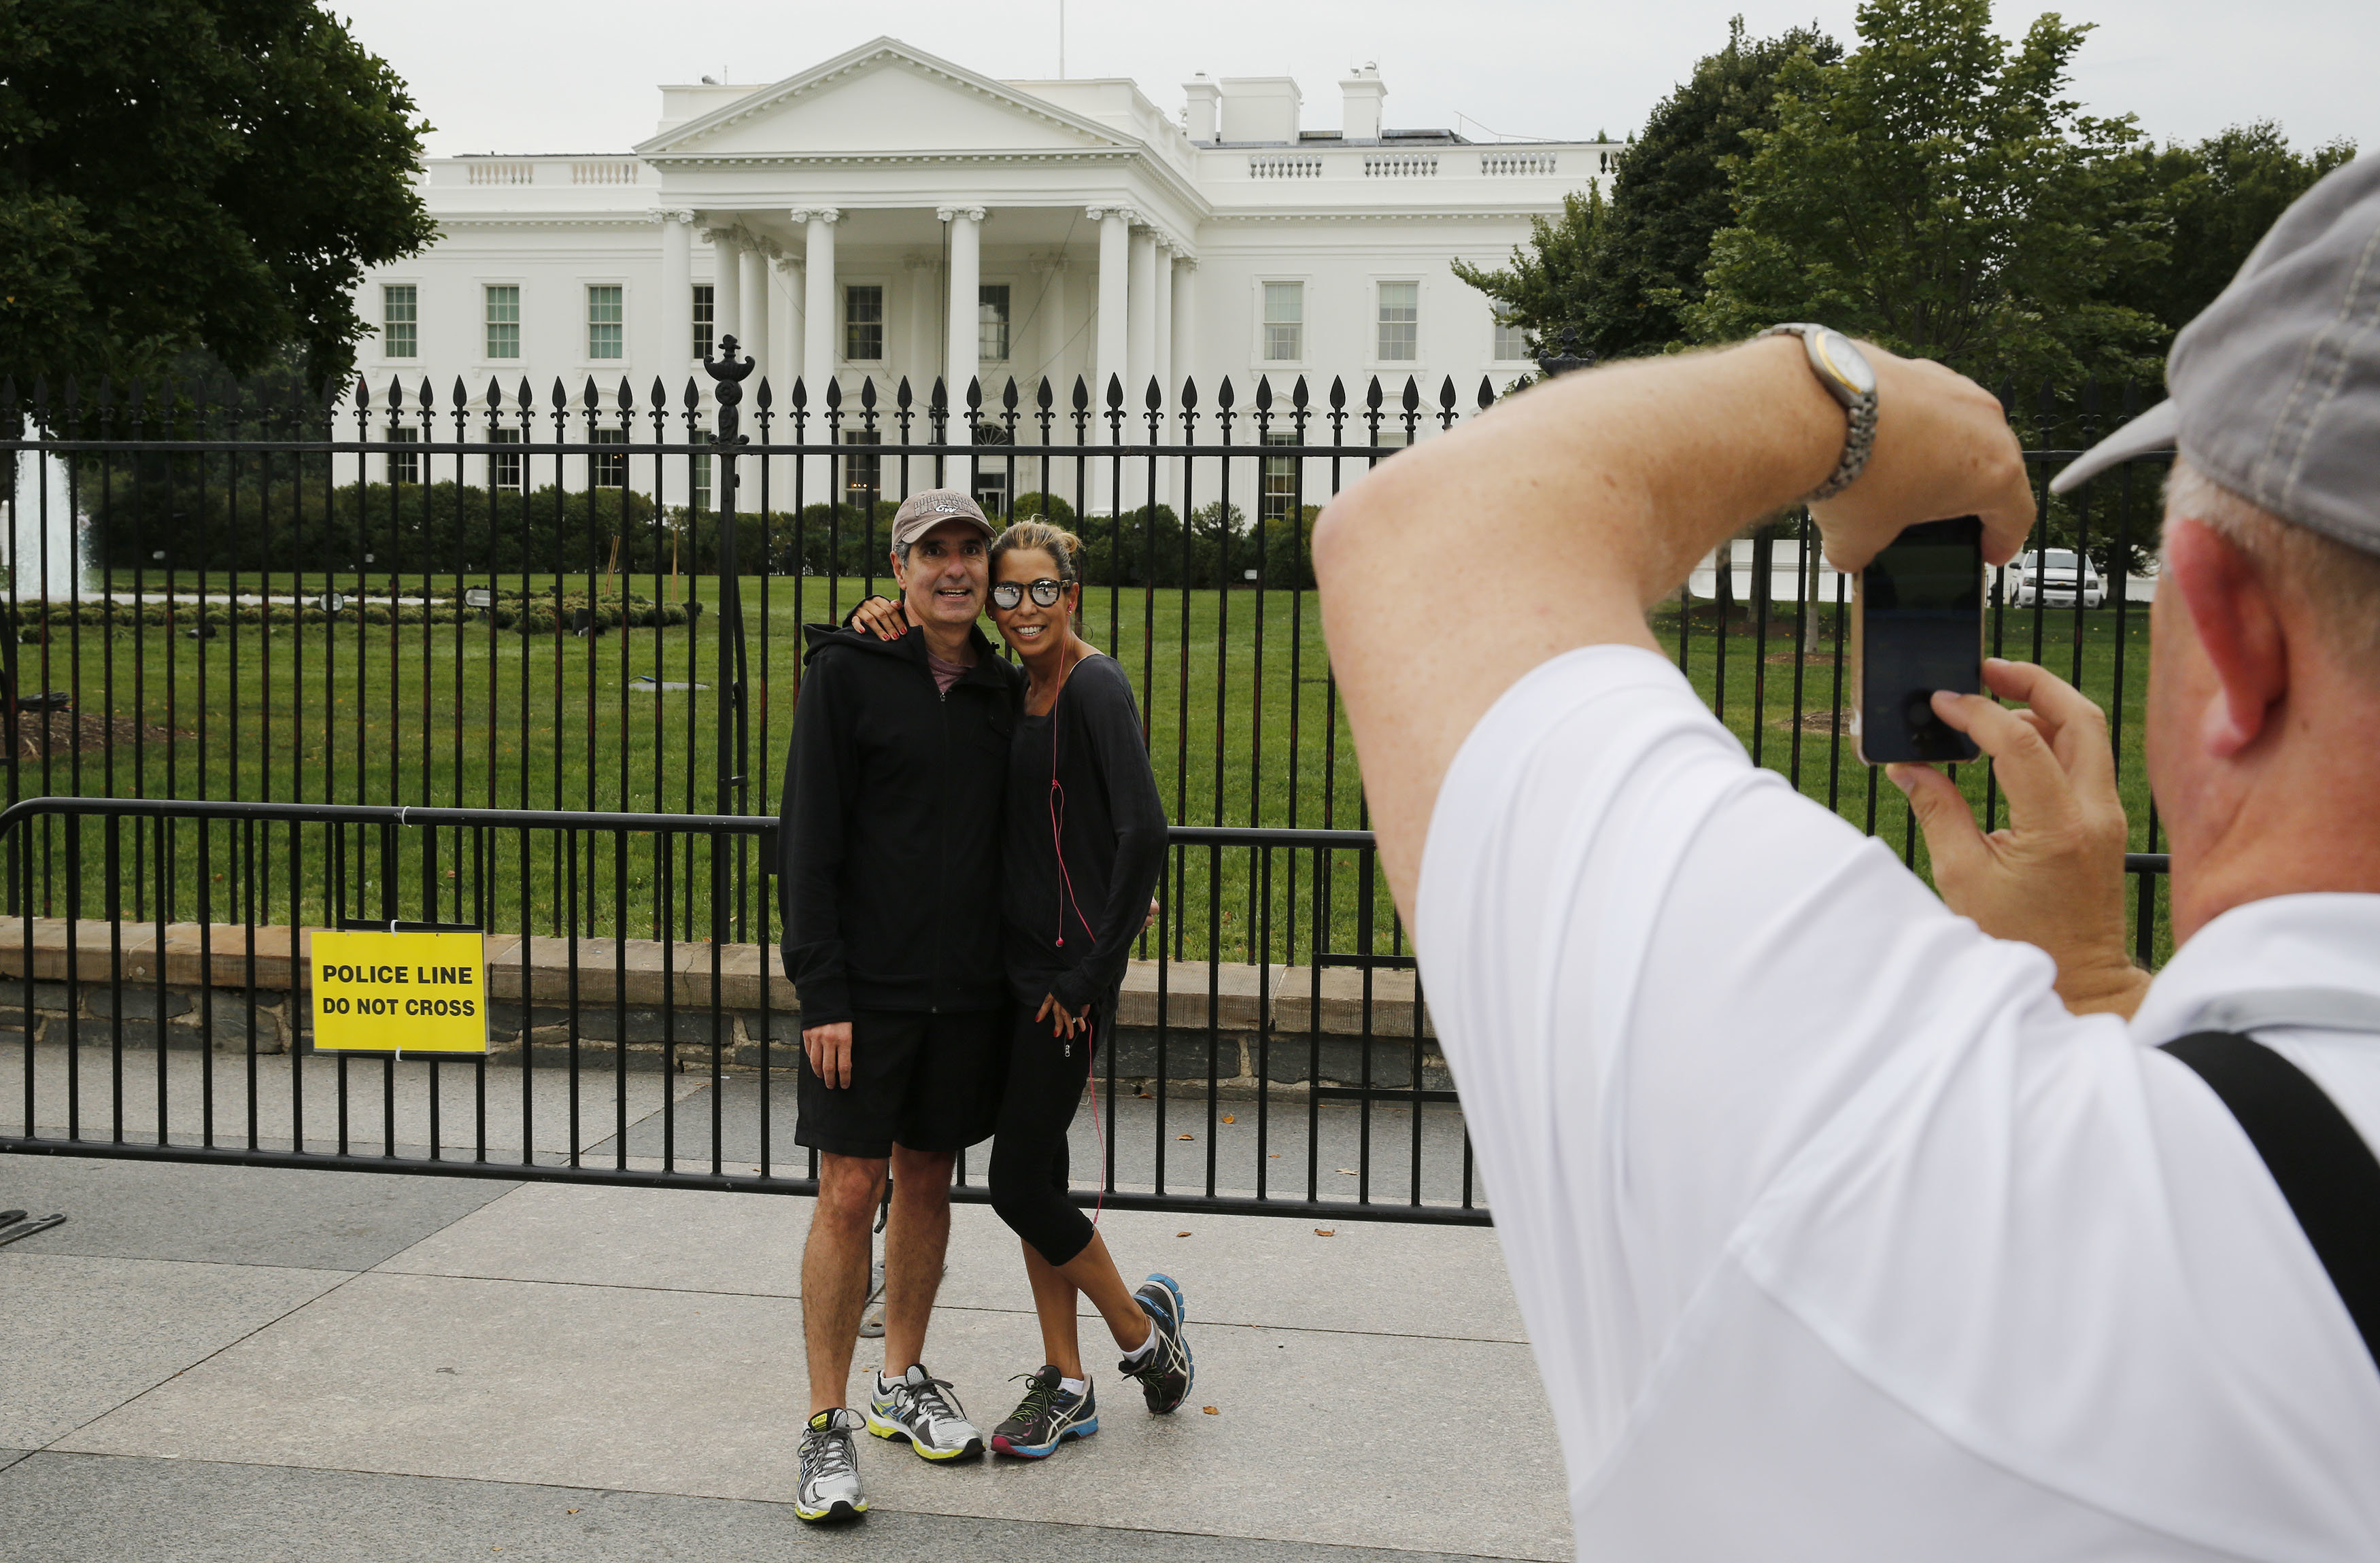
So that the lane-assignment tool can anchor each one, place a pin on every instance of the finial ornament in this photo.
(728, 373)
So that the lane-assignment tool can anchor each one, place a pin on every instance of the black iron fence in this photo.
(492, 597)
(641, 1055)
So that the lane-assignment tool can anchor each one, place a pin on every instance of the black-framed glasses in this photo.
(1046, 592)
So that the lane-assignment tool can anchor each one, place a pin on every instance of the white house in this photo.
(889, 215)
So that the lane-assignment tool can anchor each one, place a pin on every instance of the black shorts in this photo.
(929, 1081)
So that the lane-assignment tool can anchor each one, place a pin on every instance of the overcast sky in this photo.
(580, 77)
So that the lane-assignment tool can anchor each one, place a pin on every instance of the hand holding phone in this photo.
(1917, 625)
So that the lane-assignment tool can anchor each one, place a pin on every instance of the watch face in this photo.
(1846, 362)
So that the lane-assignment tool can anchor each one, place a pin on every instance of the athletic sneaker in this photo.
(1166, 1373)
(1046, 1417)
(829, 1488)
(922, 1410)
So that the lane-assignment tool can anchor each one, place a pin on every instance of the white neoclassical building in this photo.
(889, 215)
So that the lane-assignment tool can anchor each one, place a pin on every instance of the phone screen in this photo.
(1921, 628)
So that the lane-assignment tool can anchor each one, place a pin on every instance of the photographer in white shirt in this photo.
(1842, 1227)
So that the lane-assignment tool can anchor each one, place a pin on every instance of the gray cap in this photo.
(929, 508)
(2275, 389)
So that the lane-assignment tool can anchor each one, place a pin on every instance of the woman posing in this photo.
(1083, 844)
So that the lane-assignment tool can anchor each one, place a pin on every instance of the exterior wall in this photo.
(1338, 216)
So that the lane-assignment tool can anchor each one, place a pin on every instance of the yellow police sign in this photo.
(381, 992)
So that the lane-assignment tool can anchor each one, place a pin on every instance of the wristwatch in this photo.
(1844, 371)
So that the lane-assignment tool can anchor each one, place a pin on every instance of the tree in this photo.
(2217, 198)
(1545, 289)
(1619, 273)
(1934, 191)
(194, 174)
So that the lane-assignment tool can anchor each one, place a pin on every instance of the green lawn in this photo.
(1244, 730)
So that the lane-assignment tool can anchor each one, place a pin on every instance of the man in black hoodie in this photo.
(891, 837)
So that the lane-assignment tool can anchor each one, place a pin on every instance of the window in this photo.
(862, 474)
(701, 470)
(1278, 498)
(1400, 321)
(606, 470)
(506, 470)
(705, 314)
(991, 331)
(1284, 322)
(991, 492)
(1391, 439)
(1512, 342)
(603, 322)
(404, 467)
(504, 321)
(862, 323)
(400, 321)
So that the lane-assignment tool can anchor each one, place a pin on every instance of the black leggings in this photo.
(1029, 1159)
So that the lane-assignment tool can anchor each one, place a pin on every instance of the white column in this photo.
(788, 320)
(1186, 358)
(819, 312)
(820, 316)
(1115, 241)
(752, 301)
(1140, 333)
(1161, 312)
(919, 348)
(1161, 357)
(962, 357)
(677, 291)
(1050, 351)
(725, 319)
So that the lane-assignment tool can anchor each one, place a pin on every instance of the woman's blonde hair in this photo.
(1038, 533)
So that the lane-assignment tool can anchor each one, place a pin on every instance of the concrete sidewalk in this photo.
(229, 1363)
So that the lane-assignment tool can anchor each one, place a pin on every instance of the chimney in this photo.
(1261, 109)
(1363, 93)
(1203, 98)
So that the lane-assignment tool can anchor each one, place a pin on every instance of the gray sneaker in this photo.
(830, 1487)
(922, 1412)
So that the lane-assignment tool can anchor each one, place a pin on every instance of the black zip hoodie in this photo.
(889, 834)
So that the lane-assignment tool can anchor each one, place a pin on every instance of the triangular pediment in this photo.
(882, 97)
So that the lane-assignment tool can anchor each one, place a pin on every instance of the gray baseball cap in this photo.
(2275, 388)
(929, 508)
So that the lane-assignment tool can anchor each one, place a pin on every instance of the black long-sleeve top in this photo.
(889, 839)
(1111, 824)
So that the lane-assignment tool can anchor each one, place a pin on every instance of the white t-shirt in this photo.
(1837, 1238)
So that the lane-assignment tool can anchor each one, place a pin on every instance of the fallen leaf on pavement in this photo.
(1326, 1231)
(1181, 1136)
(1182, 1234)
(1212, 1411)
(1349, 1171)
(1230, 1118)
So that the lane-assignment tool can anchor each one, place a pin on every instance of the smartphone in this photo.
(1917, 625)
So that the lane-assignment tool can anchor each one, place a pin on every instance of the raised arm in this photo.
(1575, 506)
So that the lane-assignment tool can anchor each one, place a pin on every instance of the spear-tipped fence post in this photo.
(728, 372)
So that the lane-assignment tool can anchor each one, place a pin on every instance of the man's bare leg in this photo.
(834, 1271)
(916, 1235)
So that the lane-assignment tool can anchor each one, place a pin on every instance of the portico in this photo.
(888, 217)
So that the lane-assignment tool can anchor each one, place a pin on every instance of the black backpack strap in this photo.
(2326, 1172)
